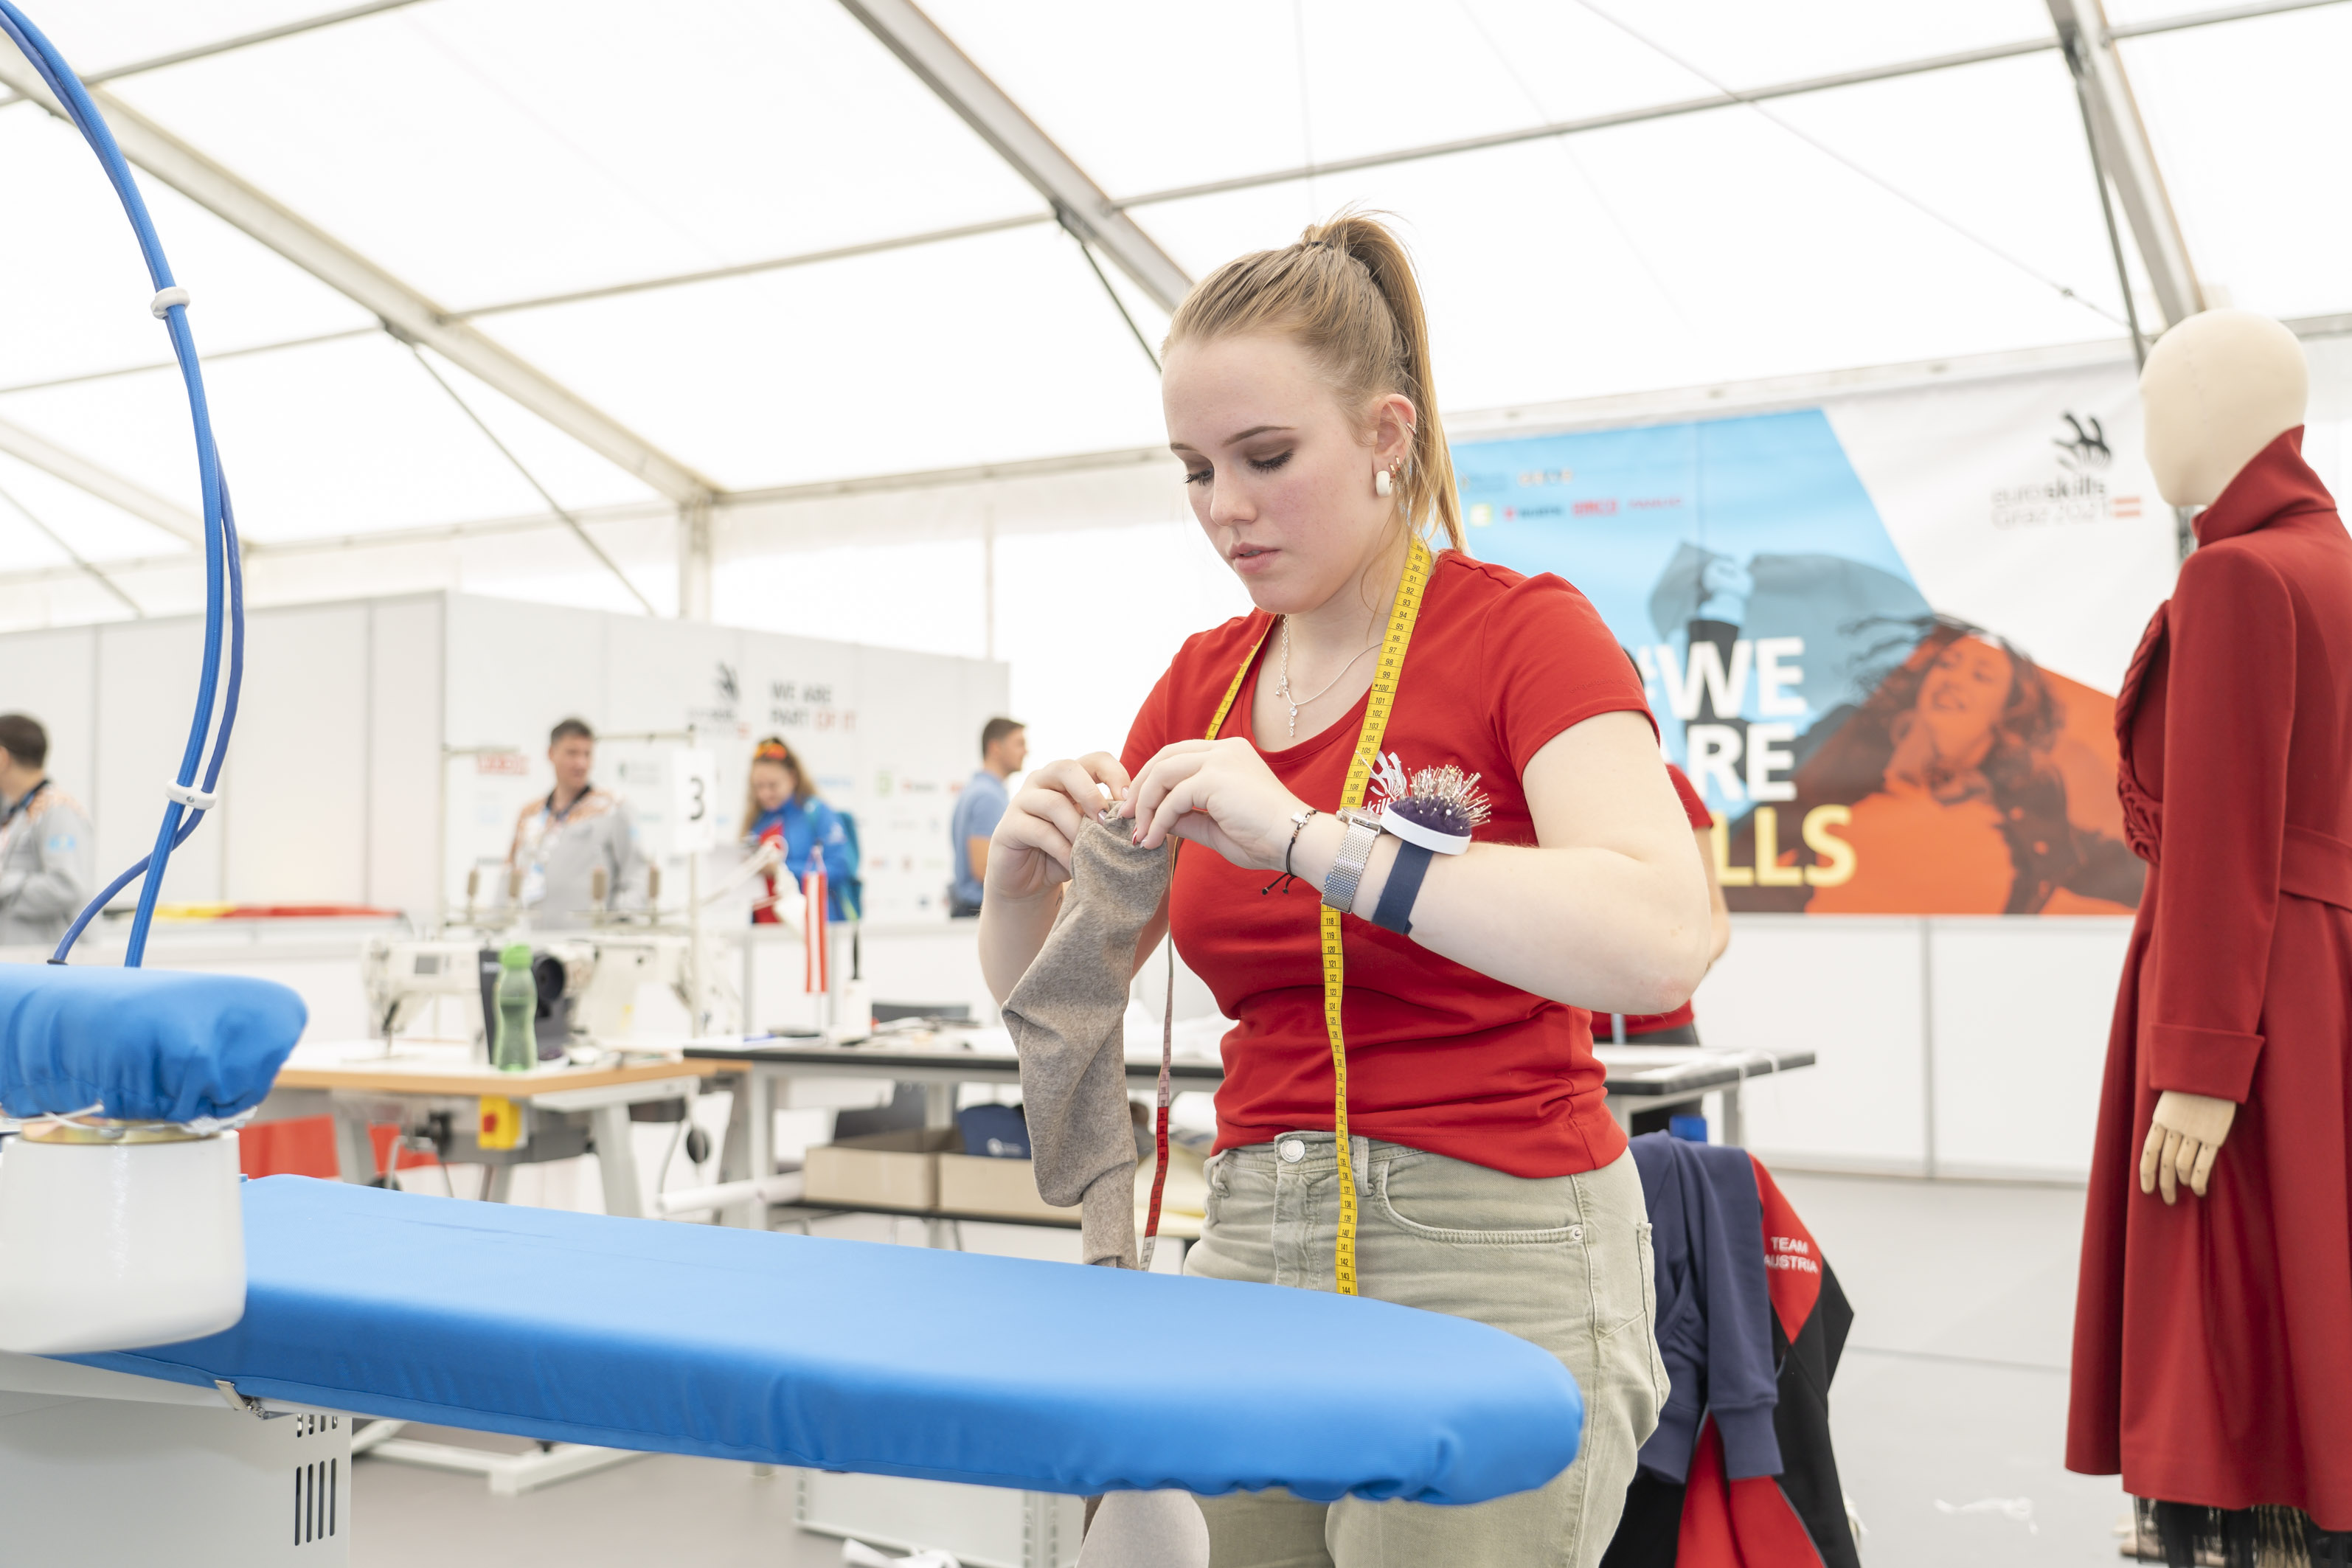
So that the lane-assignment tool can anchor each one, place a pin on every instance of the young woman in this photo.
(1493, 1182)
(783, 807)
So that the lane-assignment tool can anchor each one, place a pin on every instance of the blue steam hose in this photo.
(223, 573)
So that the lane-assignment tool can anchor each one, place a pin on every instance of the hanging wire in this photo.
(1585, 176)
(1306, 116)
(51, 534)
(1070, 227)
(529, 477)
(2074, 67)
(1831, 153)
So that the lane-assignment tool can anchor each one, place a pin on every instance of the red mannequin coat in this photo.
(2213, 1339)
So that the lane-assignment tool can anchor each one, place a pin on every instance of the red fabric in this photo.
(305, 1146)
(763, 911)
(1701, 820)
(1792, 1258)
(1737, 1525)
(2213, 1340)
(1439, 1057)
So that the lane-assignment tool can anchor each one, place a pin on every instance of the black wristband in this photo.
(1403, 885)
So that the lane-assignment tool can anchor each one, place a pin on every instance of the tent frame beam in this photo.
(2123, 152)
(96, 480)
(404, 311)
(1081, 204)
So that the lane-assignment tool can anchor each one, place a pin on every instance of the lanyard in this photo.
(1351, 797)
(8, 817)
(550, 818)
(15, 814)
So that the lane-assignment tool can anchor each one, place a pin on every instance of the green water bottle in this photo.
(517, 1047)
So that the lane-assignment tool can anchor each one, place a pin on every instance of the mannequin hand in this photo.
(1029, 854)
(1217, 793)
(2182, 1139)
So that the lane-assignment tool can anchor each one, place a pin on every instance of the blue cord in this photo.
(223, 576)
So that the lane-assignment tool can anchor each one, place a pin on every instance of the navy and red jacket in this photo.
(1727, 1241)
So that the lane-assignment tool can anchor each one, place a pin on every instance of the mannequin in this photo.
(2215, 391)
(2213, 1336)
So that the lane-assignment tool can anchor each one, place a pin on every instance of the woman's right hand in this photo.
(1029, 855)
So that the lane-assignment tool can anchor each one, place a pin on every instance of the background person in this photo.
(560, 841)
(47, 852)
(1494, 1184)
(781, 807)
(1004, 748)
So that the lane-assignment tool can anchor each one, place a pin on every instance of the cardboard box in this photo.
(881, 1170)
(979, 1185)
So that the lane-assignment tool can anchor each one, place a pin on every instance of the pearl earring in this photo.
(1382, 481)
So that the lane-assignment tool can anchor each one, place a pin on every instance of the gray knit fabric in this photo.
(1066, 1016)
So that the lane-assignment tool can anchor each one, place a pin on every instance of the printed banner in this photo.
(1838, 636)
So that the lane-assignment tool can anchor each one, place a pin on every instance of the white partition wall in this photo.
(1850, 989)
(1948, 1046)
(334, 788)
(2019, 1018)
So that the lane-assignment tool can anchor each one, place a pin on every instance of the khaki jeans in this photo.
(1563, 1261)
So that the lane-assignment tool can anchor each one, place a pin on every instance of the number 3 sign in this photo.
(694, 800)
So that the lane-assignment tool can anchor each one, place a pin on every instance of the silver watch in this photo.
(1348, 867)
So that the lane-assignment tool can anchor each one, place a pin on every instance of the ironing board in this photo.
(857, 1356)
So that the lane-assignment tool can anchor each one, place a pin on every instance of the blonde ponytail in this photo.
(1345, 292)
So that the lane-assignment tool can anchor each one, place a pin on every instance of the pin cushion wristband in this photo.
(1403, 885)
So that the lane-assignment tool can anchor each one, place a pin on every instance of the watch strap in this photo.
(1348, 865)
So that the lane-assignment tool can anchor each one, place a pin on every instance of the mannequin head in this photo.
(2217, 388)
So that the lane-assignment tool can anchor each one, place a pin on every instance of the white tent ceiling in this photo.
(529, 166)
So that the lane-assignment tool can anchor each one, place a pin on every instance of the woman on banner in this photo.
(1966, 790)
(782, 808)
(1495, 1184)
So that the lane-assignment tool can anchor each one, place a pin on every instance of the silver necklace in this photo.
(1282, 684)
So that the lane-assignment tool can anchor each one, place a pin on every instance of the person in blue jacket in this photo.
(783, 808)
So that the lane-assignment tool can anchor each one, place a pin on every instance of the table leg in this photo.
(498, 1182)
(735, 1145)
(354, 1150)
(616, 1159)
(757, 1096)
(1734, 1132)
(939, 1113)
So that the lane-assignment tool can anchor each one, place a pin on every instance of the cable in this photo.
(1825, 149)
(223, 594)
(529, 477)
(54, 537)
(220, 741)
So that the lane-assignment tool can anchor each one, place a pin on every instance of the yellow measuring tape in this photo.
(1351, 797)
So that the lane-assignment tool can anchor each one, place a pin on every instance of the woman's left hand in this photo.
(1217, 793)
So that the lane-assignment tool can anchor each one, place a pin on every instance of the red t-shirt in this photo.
(1696, 810)
(1439, 1057)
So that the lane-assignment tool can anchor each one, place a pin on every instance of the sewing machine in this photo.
(589, 986)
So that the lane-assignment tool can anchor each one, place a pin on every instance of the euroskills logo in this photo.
(2077, 493)
(2083, 449)
(729, 691)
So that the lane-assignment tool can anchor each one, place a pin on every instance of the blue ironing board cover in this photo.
(148, 1045)
(847, 1356)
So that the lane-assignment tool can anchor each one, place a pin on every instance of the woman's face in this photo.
(1962, 699)
(773, 784)
(1279, 473)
